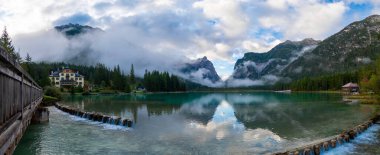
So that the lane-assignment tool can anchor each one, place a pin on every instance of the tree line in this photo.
(326, 82)
(156, 81)
(368, 78)
(98, 76)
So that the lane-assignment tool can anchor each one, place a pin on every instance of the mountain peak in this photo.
(203, 59)
(257, 65)
(71, 30)
(310, 41)
(306, 41)
(204, 66)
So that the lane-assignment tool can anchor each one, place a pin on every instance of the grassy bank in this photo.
(364, 98)
(49, 100)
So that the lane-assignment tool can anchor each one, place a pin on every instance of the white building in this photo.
(66, 78)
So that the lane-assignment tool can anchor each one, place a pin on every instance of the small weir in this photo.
(324, 145)
(114, 120)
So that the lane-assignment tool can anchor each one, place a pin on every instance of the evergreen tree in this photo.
(156, 81)
(18, 57)
(132, 75)
(28, 59)
(6, 43)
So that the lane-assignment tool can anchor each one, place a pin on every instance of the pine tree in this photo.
(6, 43)
(18, 57)
(132, 75)
(28, 59)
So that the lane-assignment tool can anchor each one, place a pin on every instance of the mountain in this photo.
(257, 65)
(354, 46)
(82, 54)
(201, 68)
(71, 30)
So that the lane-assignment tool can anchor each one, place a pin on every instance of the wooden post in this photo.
(30, 96)
(22, 95)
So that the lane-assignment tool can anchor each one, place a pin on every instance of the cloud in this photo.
(198, 77)
(303, 19)
(228, 15)
(246, 82)
(137, 31)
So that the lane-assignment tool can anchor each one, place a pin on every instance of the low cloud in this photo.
(264, 80)
(198, 77)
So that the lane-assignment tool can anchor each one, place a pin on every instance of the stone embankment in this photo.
(115, 120)
(327, 144)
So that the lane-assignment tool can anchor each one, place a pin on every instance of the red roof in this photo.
(350, 85)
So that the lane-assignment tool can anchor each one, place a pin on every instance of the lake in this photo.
(194, 123)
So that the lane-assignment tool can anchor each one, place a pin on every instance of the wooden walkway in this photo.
(19, 95)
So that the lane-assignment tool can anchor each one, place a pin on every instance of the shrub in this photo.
(49, 101)
(53, 91)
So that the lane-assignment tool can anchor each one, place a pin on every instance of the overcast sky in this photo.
(222, 30)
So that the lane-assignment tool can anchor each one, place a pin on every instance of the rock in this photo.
(333, 143)
(129, 123)
(352, 134)
(80, 113)
(124, 122)
(317, 150)
(90, 116)
(325, 146)
(339, 140)
(307, 151)
(106, 119)
(346, 138)
(296, 152)
(117, 121)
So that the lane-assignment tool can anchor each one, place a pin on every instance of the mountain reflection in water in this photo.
(216, 123)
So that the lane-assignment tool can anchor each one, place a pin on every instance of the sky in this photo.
(176, 30)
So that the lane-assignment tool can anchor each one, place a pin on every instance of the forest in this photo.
(156, 81)
(102, 77)
(367, 77)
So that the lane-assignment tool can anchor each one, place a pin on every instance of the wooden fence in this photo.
(17, 90)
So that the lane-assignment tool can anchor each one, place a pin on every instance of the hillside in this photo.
(349, 49)
(256, 65)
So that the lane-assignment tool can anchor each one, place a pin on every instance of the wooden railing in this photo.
(18, 91)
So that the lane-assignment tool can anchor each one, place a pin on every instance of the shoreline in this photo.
(205, 91)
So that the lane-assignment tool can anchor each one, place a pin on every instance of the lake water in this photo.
(194, 123)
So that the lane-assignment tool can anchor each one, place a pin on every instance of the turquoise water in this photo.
(194, 123)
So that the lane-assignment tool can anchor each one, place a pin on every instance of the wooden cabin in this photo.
(350, 88)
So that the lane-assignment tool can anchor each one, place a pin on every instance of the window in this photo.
(72, 74)
(62, 78)
(80, 83)
(56, 78)
(80, 78)
(76, 78)
(57, 83)
(61, 74)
